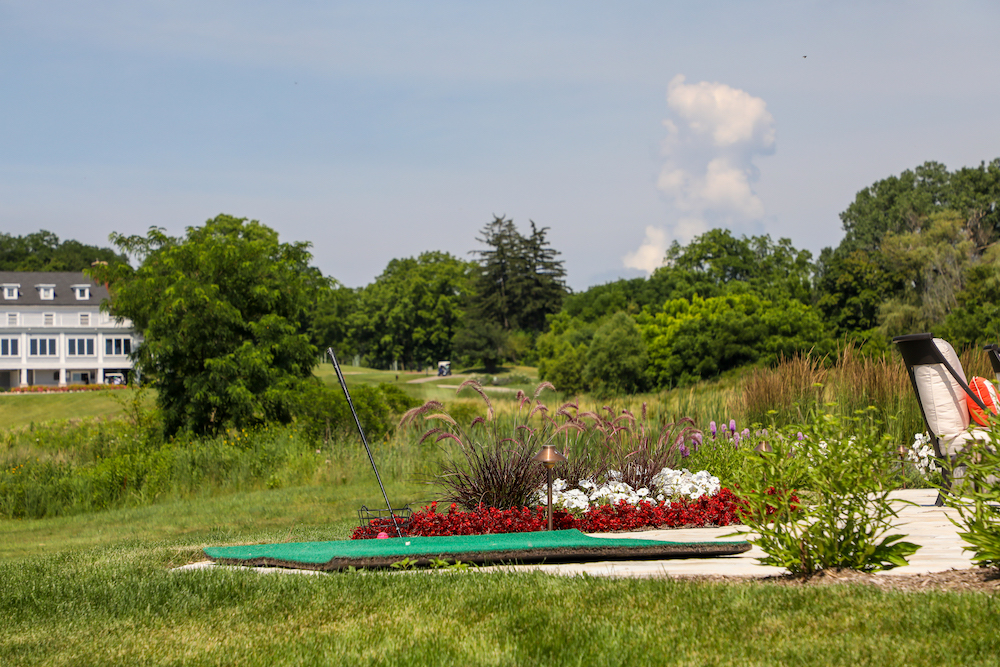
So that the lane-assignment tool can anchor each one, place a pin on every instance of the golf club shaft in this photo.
(350, 404)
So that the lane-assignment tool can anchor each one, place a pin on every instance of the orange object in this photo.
(986, 393)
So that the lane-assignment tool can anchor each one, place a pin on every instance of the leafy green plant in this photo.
(405, 564)
(977, 499)
(442, 564)
(841, 470)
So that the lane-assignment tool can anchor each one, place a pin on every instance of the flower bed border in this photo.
(721, 509)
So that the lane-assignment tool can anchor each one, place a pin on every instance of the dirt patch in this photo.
(977, 579)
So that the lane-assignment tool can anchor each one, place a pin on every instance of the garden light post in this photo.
(549, 457)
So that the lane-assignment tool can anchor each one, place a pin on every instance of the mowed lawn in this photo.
(24, 409)
(124, 604)
(102, 588)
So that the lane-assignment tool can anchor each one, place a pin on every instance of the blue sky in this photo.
(383, 129)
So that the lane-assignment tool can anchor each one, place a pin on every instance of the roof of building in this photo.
(63, 282)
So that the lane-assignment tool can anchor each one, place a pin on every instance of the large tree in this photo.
(519, 281)
(412, 310)
(221, 314)
(908, 241)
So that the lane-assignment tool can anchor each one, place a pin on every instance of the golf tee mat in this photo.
(558, 546)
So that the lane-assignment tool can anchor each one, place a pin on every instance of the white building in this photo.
(52, 332)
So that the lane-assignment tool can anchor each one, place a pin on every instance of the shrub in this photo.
(843, 467)
(324, 414)
(978, 499)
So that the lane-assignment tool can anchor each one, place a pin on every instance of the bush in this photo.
(842, 468)
(324, 414)
(978, 499)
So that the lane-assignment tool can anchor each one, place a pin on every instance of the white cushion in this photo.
(944, 401)
(955, 443)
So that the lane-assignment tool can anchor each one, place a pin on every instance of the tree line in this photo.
(233, 319)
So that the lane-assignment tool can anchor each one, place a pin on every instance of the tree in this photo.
(717, 259)
(42, 251)
(483, 341)
(520, 281)
(412, 310)
(221, 313)
(617, 359)
(701, 338)
(976, 318)
(329, 318)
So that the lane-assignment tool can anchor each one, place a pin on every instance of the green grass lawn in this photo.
(23, 409)
(121, 604)
(99, 587)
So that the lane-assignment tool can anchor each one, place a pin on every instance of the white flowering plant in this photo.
(667, 485)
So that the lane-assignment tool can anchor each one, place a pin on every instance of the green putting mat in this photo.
(555, 546)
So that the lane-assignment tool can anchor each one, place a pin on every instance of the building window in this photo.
(82, 292)
(49, 319)
(84, 319)
(10, 291)
(8, 347)
(12, 319)
(80, 347)
(42, 347)
(46, 292)
(117, 346)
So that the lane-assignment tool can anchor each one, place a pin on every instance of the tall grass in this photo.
(784, 394)
(789, 392)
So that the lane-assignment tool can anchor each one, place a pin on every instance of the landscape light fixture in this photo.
(549, 457)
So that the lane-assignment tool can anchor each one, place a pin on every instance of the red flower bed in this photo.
(722, 509)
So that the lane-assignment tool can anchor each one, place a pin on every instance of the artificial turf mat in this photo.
(554, 546)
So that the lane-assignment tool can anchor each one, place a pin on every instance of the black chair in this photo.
(993, 353)
(946, 416)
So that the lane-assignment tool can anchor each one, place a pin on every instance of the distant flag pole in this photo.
(350, 403)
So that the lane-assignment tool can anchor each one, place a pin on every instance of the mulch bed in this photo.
(973, 580)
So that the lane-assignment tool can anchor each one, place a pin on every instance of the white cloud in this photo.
(728, 116)
(713, 136)
(649, 256)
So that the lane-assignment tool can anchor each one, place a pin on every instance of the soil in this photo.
(977, 580)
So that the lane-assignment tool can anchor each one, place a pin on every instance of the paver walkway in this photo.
(922, 523)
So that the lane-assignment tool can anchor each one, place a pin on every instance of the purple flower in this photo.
(746, 433)
(685, 452)
(736, 439)
(712, 427)
(732, 426)
(801, 437)
(696, 440)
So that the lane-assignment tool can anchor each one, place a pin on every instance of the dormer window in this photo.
(82, 292)
(11, 290)
(46, 292)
